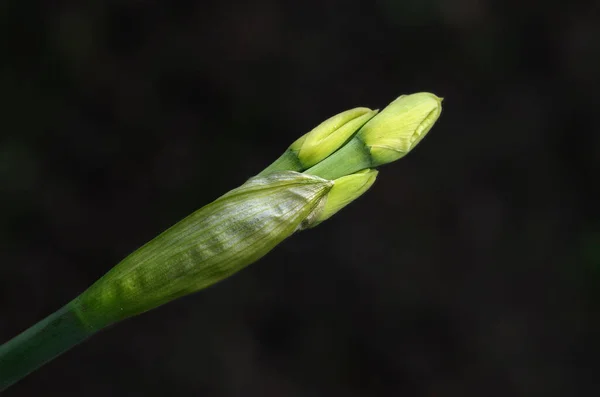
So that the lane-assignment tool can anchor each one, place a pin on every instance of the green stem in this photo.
(352, 157)
(288, 161)
(39, 344)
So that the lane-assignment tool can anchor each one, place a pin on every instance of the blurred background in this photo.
(471, 268)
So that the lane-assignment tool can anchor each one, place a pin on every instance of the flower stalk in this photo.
(317, 176)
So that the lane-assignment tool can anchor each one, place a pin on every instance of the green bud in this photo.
(330, 135)
(386, 137)
(321, 141)
(400, 126)
(344, 191)
(206, 247)
(236, 229)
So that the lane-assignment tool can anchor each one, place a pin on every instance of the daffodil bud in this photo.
(330, 135)
(400, 126)
(236, 229)
(386, 137)
(206, 247)
(321, 141)
(344, 191)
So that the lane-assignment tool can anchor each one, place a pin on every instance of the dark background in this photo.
(472, 267)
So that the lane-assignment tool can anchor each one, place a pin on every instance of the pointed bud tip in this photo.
(400, 126)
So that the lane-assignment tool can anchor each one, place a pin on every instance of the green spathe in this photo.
(209, 245)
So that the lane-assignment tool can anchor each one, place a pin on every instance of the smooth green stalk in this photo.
(352, 157)
(236, 229)
(39, 344)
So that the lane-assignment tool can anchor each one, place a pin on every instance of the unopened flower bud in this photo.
(400, 126)
(321, 141)
(386, 137)
(330, 135)
(344, 191)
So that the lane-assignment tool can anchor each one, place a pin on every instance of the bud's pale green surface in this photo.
(400, 126)
(344, 191)
(386, 137)
(321, 141)
(330, 135)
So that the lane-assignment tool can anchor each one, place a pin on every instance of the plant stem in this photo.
(352, 157)
(288, 161)
(40, 343)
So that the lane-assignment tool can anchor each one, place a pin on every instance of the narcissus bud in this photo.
(400, 126)
(321, 141)
(237, 229)
(344, 191)
(386, 137)
(330, 135)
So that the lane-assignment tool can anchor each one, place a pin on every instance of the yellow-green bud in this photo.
(344, 191)
(330, 135)
(236, 229)
(321, 141)
(400, 126)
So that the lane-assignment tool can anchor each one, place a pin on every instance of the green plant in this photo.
(318, 175)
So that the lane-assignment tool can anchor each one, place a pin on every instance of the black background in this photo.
(471, 268)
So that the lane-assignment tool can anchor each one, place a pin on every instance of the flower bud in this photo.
(400, 126)
(330, 135)
(321, 141)
(236, 229)
(386, 137)
(344, 191)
